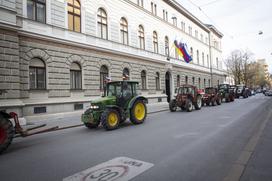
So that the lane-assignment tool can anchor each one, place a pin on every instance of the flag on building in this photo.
(181, 49)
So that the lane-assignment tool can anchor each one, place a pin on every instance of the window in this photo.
(197, 56)
(36, 10)
(140, 3)
(37, 74)
(174, 21)
(166, 41)
(153, 8)
(165, 15)
(186, 79)
(102, 24)
(208, 60)
(104, 73)
(193, 80)
(124, 31)
(75, 76)
(141, 37)
(217, 63)
(192, 52)
(206, 40)
(74, 15)
(155, 42)
(209, 83)
(204, 84)
(190, 30)
(201, 37)
(157, 81)
(126, 74)
(178, 81)
(143, 79)
(196, 34)
(199, 83)
(182, 26)
(203, 61)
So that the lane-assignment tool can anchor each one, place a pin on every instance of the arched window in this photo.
(166, 46)
(203, 61)
(36, 10)
(192, 52)
(197, 56)
(140, 3)
(104, 74)
(199, 83)
(178, 81)
(157, 81)
(75, 76)
(143, 79)
(209, 83)
(155, 42)
(37, 74)
(141, 37)
(74, 15)
(126, 74)
(124, 31)
(193, 80)
(102, 23)
(186, 79)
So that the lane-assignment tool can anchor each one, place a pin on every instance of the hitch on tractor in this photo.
(8, 131)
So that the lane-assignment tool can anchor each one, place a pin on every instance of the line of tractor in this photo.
(120, 102)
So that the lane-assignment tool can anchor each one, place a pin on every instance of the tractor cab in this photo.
(124, 91)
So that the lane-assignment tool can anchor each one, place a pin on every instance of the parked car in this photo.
(241, 90)
(268, 93)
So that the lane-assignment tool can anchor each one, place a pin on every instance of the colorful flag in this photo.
(181, 49)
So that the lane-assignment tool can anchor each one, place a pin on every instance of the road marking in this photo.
(117, 169)
(239, 166)
(185, 135)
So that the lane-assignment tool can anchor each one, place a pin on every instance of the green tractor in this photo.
(120, 101)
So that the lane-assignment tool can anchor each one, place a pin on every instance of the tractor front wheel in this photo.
(110, 119)
(138, 112)
(6, 133)
(173, 106)
(189, 105)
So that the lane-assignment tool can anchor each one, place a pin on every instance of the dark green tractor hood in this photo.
(103, 101)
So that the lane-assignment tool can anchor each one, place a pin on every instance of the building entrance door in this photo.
(168, 86)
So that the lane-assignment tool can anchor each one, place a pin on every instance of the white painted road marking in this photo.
(117, 169)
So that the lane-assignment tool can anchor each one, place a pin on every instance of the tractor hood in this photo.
(102, 102)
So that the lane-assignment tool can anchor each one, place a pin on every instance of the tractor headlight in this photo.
(94, 107)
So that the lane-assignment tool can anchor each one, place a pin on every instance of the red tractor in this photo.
(211, 97)
(187, 97)
(8, 131)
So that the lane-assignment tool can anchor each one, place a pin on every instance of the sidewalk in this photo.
(70, 119)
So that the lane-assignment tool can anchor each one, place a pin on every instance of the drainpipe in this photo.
(210, 52)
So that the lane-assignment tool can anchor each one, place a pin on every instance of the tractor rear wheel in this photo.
(173, 106)
(138, 112)
(198, 103)
(92, 125)
(6, 133)
(110, 119)
(189, 105)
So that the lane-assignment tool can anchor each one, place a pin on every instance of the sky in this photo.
(240, 21)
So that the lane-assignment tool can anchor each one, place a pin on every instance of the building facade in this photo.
(56, 54)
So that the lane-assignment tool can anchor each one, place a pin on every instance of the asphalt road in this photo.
(201, 145)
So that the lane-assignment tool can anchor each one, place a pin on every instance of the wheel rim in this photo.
(112, 119)
(3, 135)
(139, 111)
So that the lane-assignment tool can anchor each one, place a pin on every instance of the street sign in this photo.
(117, 169)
